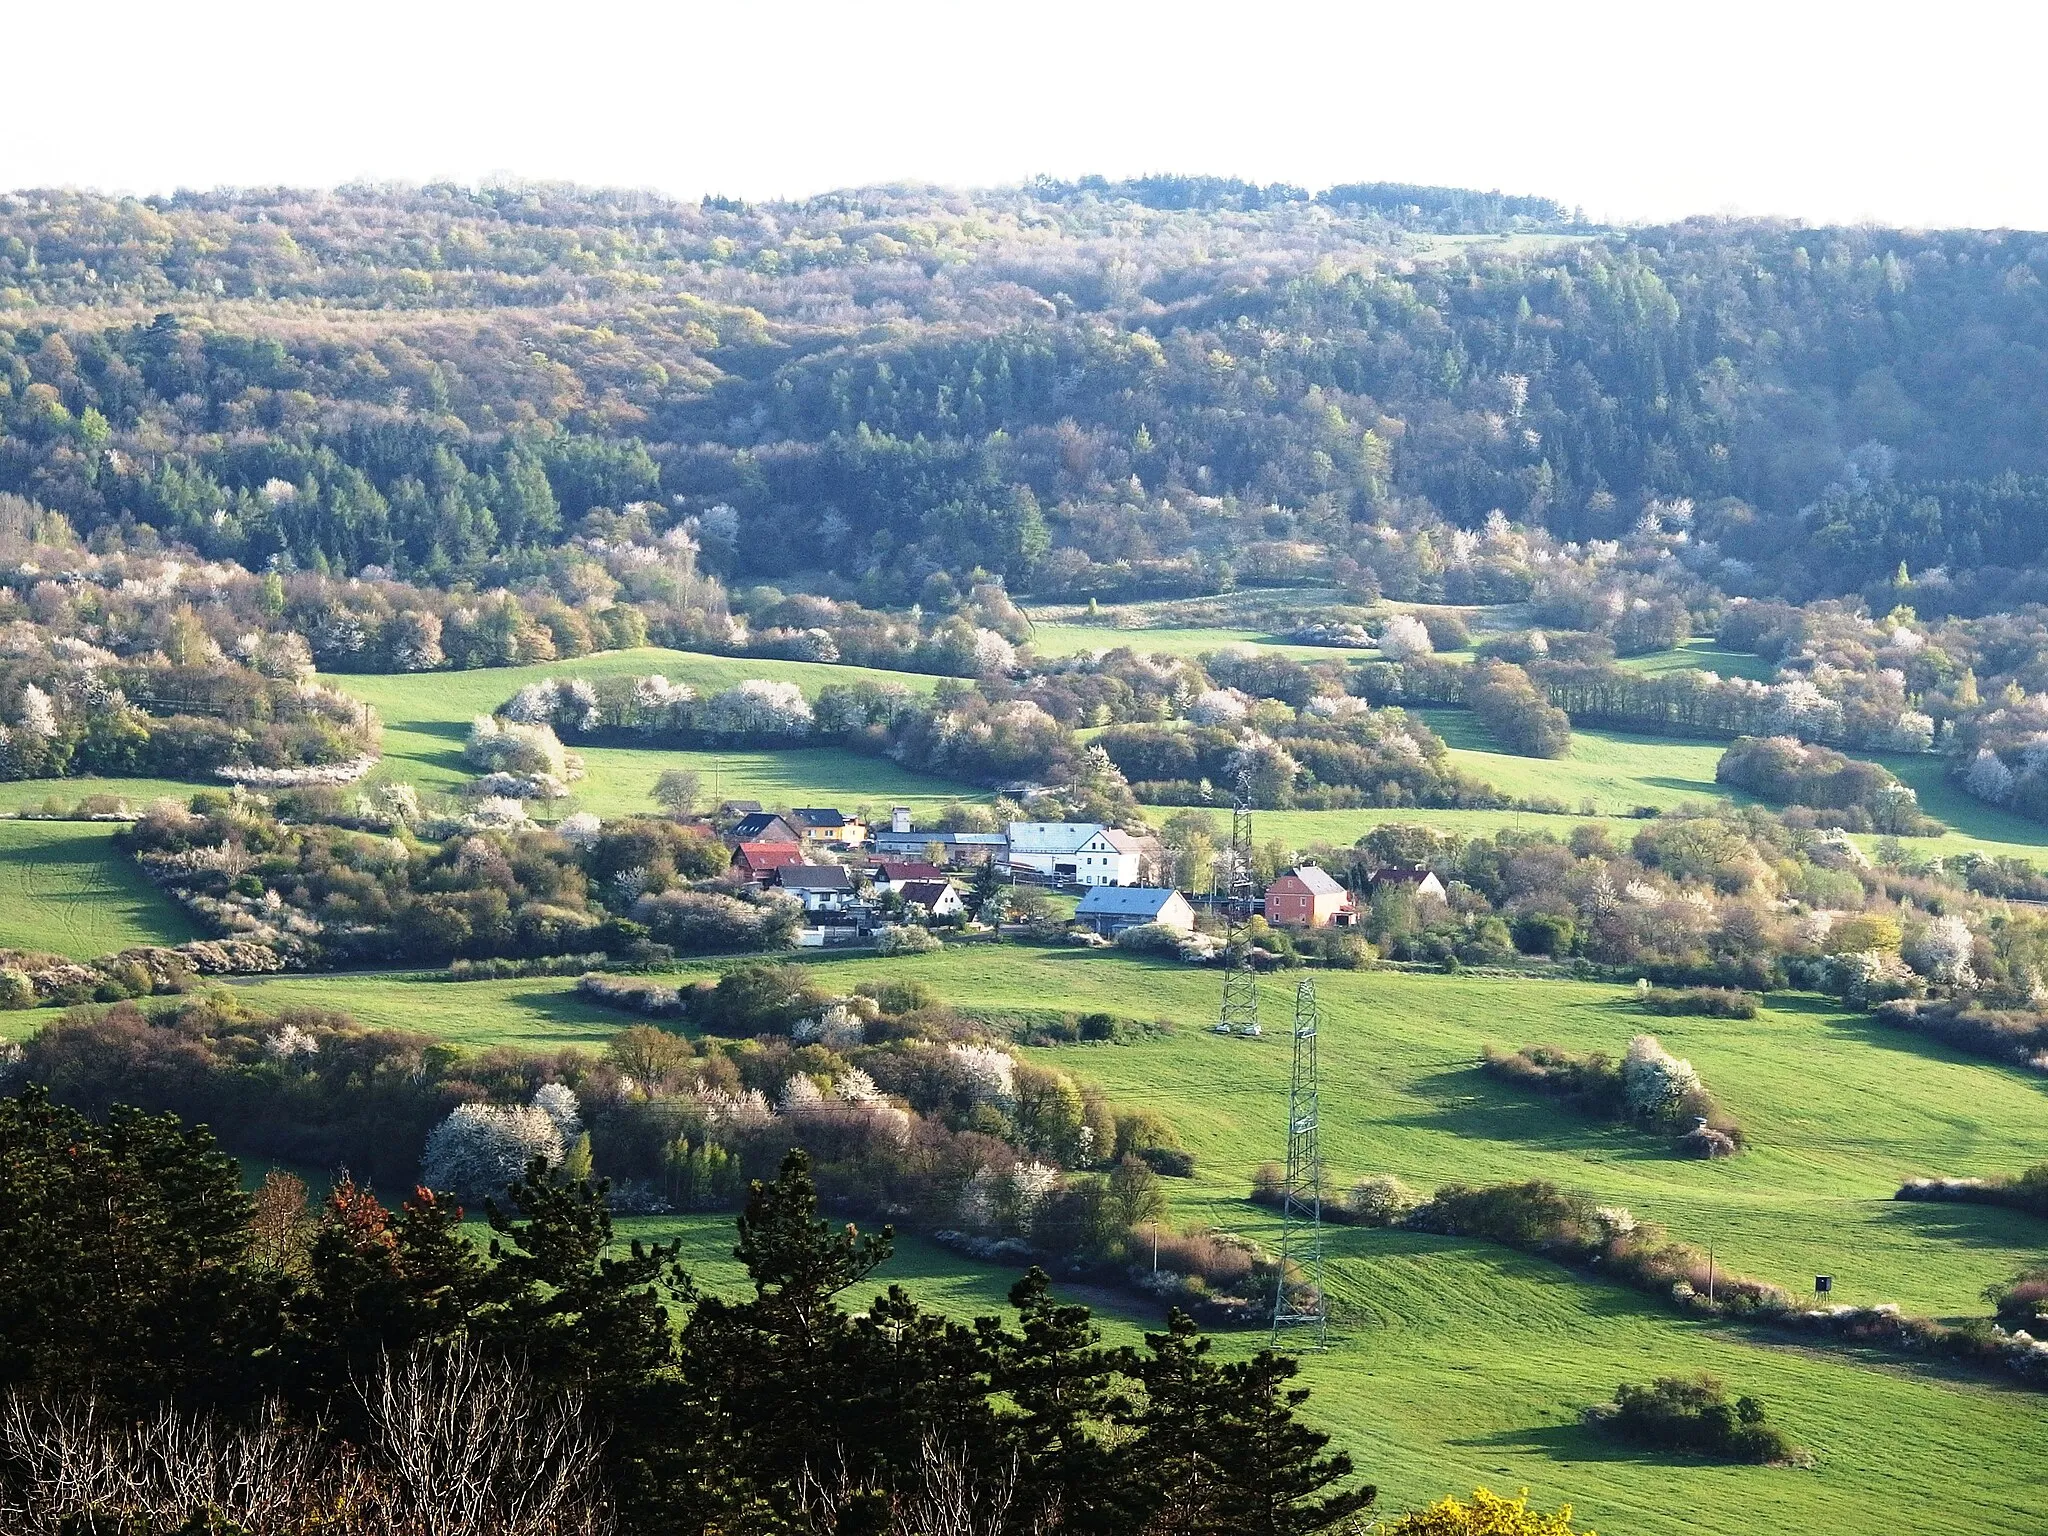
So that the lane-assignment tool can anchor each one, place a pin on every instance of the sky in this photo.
(1920, 116)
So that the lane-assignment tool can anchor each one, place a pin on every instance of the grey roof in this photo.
(1412, 874)
(1317, 880)
(819, 817)
(813, 877)
(1124, 901)
(957, 839)
(750, 828)
(924, 893)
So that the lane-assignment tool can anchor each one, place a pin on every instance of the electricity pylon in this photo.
(1240, 1014)
(1301, 1202)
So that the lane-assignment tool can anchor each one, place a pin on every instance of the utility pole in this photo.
(1301, 1201)
(1240, 1015)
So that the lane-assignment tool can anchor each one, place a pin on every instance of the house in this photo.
(762, 827)
(1074, 852)
(823, 888)
(1307, 897)
(1419, 878)
(1110, 909)
(952, 849)
(733, 810)
(827, 827)
(937, 897)
(892, 873)
(755, 861)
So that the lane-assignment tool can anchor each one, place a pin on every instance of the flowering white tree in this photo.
(993, 1072)
(558, 1102)
(38, 714)
(1941, 951)
(481, 1149)
(1218, 706)
(757, 707)
(1404, 637)
(1989, 778)
(1654, 1083)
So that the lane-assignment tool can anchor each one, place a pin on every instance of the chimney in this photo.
(899, 818)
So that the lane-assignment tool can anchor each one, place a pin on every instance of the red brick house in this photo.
(1307, 898)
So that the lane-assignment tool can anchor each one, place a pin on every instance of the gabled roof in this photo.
(1051, 836)
(738, 807)
(825, 816)
(885, 837)
(1407, 874)
(1317, 880)
(767, 855)
(813, 877)
(908, 869)
(750, 828)
(926, 893)
(1122, 842)
(1124, 901)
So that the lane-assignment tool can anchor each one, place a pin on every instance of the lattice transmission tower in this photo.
(1305, 1305)
(1240, 1014)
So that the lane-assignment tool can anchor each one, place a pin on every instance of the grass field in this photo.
(1703, 654)
(65, 888)
(1459, 1362)
(426, 717)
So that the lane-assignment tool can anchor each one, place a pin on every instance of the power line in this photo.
(1240, 1015)
(1306, 1305)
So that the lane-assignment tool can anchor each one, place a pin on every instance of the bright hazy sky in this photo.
(1922, 115)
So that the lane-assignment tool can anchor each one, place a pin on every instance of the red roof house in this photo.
(1307, 898)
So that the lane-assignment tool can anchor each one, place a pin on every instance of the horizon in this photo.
(1638, 119)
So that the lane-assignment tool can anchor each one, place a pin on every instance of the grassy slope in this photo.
(1702, 653)
(65, 888)
(1460, 1363)
(426, 715)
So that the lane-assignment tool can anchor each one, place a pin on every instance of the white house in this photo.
(1074, 852)
(937, 897)
(1110, 909)
(820, 887)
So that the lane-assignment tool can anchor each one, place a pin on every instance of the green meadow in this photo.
(1073, 639)
(65, 888)
(1457, 1362)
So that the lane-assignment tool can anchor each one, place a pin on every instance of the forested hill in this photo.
(1151, 387)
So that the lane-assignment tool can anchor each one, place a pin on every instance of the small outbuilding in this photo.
(1110, 909)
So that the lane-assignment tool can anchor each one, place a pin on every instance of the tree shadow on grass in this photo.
(1975, 1226)
(1472, 1104)
(1574, 1442)
(1866, 1030)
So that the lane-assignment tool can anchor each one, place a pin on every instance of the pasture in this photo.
(1458, 1362)
(1075, 639)
(426, 718)
(66, 889)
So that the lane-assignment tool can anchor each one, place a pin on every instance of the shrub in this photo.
(1515, 713)
(2022, 1301)
(482, 1149)
(907, 939)
(1487, 1515)
(2026, 1192)
(1655, 1085)
(1707, 1141)
(1380, 1200)
(1152, 939)
(1676, 1413)
(1712, 1002)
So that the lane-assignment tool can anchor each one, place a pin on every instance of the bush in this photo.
(1487, 1515)
(2026, 1192)
(1515, 713)
(907, 939)
(1380, 1200)
(1711, 1002)
(1655, 1085)
(482, 1149)
(1676, 1413)
(1152, 939)
(1592, 1081)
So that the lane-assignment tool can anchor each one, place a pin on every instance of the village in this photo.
(853, 880)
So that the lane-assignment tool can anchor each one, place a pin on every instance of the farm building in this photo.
(1075, 852)
(890, 874)
(1110, 909)
(1307, 897)
(951, 849)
